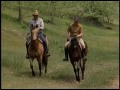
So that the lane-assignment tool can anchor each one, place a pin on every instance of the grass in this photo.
(101, 67)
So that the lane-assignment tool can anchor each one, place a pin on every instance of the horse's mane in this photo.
(74, 48)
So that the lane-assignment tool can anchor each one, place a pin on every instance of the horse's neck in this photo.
(34, 42)
(75, 52)
(78, 49)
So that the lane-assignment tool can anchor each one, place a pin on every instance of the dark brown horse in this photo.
(36, 50)
(75, 55)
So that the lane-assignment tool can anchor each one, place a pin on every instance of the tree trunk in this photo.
(20, 11)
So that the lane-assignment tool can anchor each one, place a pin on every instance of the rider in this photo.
(75, 30)
(37, 23)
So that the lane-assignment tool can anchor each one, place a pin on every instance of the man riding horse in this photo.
(37, 23)
(75, 30)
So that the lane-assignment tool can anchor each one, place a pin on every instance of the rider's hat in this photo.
(35, 13)
(77, 19)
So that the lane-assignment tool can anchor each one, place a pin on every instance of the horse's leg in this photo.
(40, 64)
(31, 66)
(45, 66)
(40, 69)
(83, 69)
(78, 69)
(78, 76)
(45, 62)
(75, 70)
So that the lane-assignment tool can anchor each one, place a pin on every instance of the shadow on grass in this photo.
(65, 78)
(57, 75)
(61, 76)
(28, 74)
(23, 74)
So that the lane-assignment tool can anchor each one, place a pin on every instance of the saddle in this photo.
(29, 40)
(84, 51)
(79, 45)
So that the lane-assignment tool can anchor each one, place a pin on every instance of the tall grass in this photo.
(101, 67)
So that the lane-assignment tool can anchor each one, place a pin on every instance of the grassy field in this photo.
(101, 68)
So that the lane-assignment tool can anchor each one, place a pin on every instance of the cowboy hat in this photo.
(77, 19)
(35, 13)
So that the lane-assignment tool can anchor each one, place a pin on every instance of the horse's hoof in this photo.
(27, 57)
(45, 72)
(77, 82)
(65, 59)
(82, 78)
(48, 55)
(39, 76)
(33, 74)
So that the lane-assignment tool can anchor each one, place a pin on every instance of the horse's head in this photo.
(74, 42)
(34, 34)
(74, 46)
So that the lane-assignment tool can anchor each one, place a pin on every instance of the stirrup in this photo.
(27, 56)
(48, 54)
(65, 59)
(84, 58)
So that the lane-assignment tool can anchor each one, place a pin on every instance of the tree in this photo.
(20, 10)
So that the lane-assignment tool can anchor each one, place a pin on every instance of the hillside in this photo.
(101, 68)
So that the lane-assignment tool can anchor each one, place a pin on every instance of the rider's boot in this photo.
(46, 48)
(27, 56)
(66, 54)
(84, 55)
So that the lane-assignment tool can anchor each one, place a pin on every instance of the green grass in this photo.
(101, 67)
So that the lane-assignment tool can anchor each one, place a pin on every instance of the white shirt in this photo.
(39, 22)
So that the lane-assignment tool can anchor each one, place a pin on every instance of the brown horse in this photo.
(75, 55)
(36, 50)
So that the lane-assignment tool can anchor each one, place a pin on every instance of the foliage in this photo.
(103, 10)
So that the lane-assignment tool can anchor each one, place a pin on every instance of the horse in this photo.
(75, 55)
(36, 51)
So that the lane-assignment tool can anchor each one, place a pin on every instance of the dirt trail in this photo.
(115, 83)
